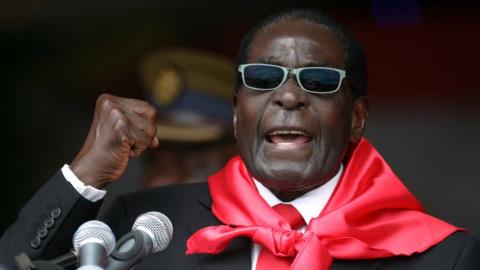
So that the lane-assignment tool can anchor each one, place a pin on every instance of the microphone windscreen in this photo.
(157, 226)
(94, 231)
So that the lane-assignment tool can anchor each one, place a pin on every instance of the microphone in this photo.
(151, 232)
(93, 241)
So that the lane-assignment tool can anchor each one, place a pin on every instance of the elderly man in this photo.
(307, 192)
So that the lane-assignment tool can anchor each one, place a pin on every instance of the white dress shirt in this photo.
(309, 204)
(88, 192)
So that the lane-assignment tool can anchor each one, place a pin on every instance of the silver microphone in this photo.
(93, 241)
(151, 232)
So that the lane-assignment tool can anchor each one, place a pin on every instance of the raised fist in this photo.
(121, 128)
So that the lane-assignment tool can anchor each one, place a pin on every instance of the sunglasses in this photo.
(317, 80)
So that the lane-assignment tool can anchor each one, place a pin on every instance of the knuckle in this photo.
(119, 119)
(105, 102)
(116, 113)
(103, 97)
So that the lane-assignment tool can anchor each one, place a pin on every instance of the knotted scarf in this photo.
(371, 214)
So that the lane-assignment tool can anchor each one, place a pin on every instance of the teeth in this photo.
(288, 132)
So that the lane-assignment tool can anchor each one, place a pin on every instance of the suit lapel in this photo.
(238, 253)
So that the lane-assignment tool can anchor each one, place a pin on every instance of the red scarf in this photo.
(371, 214)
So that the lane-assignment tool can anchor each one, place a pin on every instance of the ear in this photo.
(235, 103)
(359, 118)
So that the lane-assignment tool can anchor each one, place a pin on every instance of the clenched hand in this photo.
(121, 128)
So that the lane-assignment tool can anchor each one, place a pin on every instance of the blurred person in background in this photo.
(191, 91)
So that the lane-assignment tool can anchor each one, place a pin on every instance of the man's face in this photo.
(292, 164)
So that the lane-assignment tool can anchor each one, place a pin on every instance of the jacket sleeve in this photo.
(469, 257)
(46, 223)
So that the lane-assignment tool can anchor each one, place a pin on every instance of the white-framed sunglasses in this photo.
(317, 80)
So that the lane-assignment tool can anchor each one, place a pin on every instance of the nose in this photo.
(290, 96)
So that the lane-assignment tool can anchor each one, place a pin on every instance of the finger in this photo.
(154, 143)
(137, 147)
(137, 150)
(132, 123)
(142, 134)
(140, 108)
(130, 138)
(147, 128)
(147, 112)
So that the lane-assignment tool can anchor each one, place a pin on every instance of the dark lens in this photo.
(263, 77)
(319, 80)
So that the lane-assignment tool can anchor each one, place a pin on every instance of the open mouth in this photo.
(288, 137)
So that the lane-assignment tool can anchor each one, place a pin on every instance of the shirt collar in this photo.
(309, 204)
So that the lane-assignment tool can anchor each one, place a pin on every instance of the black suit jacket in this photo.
(47, 222)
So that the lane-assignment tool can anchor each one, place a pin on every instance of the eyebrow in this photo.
(273, 61)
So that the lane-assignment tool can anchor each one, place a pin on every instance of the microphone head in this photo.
(94, 231)
(157, 226)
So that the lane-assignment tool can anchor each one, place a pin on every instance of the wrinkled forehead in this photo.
(297, 44)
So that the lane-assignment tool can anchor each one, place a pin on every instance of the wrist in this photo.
(88, 176)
